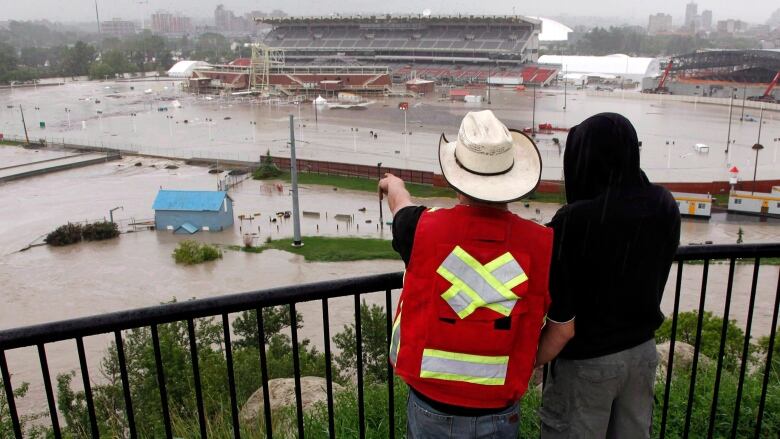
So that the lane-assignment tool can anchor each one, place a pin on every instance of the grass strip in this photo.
(330, 249)
(415, 189)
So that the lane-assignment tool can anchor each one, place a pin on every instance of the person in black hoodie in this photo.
(613, 249)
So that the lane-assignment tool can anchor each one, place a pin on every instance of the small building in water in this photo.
(694, 205)
(755, 203)
(187, 212)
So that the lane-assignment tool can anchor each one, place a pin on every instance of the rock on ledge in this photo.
(282, 393)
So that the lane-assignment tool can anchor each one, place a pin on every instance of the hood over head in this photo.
(602, 155)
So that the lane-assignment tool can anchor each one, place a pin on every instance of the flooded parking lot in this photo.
(146, 118)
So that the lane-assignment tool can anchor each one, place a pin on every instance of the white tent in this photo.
(553, 30)
(614, 65)
(183, 69)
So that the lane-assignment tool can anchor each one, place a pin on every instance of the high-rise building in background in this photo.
(226, 21)
(163, 22)
(731, 26)
(117, 27)
(691, 11)
(659, 23)
(706, 19)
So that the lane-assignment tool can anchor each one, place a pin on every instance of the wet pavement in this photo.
(220, 128)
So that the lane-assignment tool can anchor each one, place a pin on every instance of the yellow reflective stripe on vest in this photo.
(395, 341)
(475, 285)
(469, 368)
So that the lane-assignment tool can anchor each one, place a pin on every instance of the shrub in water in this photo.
(100, 230)
(65, 235)
(267, 169)
(193, 252)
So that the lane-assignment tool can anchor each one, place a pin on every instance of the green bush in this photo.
(65, 235)
(100, 230)
(710, 336)
(267, 169)
(191, 252)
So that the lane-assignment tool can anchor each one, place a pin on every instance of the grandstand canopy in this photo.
(748, 66)
(553, 30)
(609, 66)
(183, 69)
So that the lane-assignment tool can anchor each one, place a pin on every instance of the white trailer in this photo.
(694, 205)
(755, 203)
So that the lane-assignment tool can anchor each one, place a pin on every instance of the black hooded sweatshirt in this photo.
(614, 241)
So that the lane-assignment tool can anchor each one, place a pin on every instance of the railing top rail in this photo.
(172, 312)
(122, 320)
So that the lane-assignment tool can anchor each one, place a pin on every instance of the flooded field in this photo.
(145, 118)
(45, 284)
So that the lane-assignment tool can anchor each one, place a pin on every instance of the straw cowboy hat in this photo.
(489, 162)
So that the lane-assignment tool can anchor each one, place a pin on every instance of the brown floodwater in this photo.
(45, 284)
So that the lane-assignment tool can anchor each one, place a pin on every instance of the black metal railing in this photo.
(77, 329)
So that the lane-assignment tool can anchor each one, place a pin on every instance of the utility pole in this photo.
(728, 134)
(294, 180)
(564, 89)
(533, 115)
(111, 212)
(490, 68)
(379, 176)
(97, 17)
(26, 137)
(744, 94)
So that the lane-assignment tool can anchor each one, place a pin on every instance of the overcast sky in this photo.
(633, 11)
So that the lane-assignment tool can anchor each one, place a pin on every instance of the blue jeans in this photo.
(425, 422)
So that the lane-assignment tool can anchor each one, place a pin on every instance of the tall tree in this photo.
(78, 59)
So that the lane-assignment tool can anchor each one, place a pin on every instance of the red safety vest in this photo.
(473, 305)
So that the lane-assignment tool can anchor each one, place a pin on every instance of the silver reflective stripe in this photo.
(508, 271)
(456, 367)
(396, 339)
(471, 278)
(460, 302)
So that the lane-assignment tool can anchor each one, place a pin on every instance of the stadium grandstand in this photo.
(721, 73)
(457, 49)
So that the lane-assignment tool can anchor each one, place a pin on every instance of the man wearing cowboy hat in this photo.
(475, 294)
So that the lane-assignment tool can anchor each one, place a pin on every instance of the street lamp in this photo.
(379, 175)
(208, 122)
(111, 212)
(254, 131)
(170, 124)
(757, 147)
(67, 112)
(132, 117)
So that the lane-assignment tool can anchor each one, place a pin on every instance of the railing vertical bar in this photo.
(296, 369)
(768, 367)
(231, 377)
(359, 354)
(161, 382)
(696, 349)
(328, 368)
(9, 395)
(390, 381)
(745, 349)
(264, 374)
(672, 338)
(196, 377)
(721, 348)
(55, 421)
(120, 353)
(87, 387)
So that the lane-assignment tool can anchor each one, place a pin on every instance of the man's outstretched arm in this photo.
(395, 190)
(554, 337)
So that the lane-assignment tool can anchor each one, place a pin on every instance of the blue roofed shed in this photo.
(190, 211)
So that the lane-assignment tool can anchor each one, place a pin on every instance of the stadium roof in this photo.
(415, 19)
(553, 30)
(183, 69)
(607, 66)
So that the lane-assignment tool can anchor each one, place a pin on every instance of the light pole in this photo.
(379, 176)
(490, 68)
(294, 180)
(757, 147)
(170, 125)
(564, 89)
(254, 131)
(744, 94)
(132, 117)
(533, 115)
(728, 134)
(67, 112)
(300, 125)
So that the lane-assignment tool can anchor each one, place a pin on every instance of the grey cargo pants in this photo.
(603, 397)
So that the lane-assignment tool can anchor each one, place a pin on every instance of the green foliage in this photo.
(373, 331)
(26, 422)
(267, 169)
(78, 59)
(702, 403)
(329, 249)
(191, 252)
(763, 350)
(65, 235)
(275, 320)
(100, 230)
(710, 336)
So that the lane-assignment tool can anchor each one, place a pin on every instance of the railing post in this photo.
(9, 394)
(768, 368)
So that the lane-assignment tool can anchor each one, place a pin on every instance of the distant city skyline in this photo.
(629, 12)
